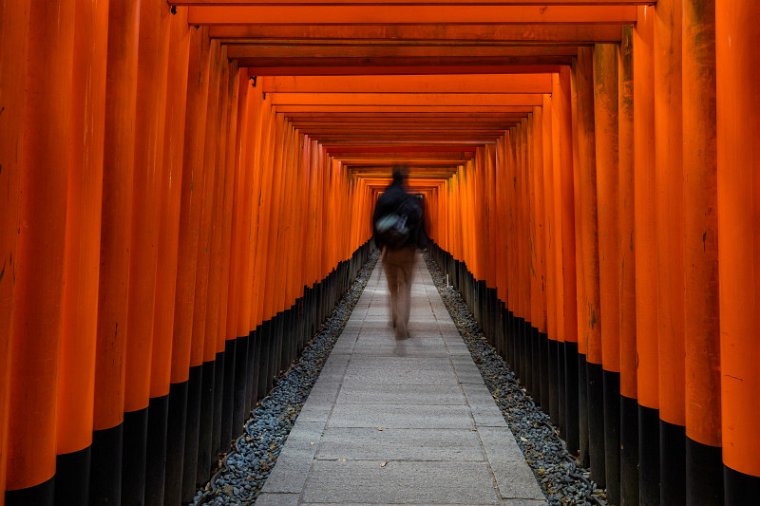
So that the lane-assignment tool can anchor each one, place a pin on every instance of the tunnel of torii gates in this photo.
(187, 188)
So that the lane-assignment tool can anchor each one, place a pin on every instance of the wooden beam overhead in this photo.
(403, 108)
(361, 14)
(465, 84)
(410, 2)
(393, 52)
(413, 99)
(487, 32)
(314, 67)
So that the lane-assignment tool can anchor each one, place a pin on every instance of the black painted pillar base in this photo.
(175, 442)
(596, 428)
(228, 399)
(572, 426)
(72, 477)
(192, 432)
(135, 457)
(611, 383)
(741, 489)
(629, 452)
(38, 495)
(649, 457)
(105, 471)
(206, 426)
(672, 464)
(704, 474)
(155, 476)
(583, 413)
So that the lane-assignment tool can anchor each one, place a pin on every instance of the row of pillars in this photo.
(621, 220)
(155, 211)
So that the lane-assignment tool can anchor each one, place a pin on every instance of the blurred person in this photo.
(398, 231)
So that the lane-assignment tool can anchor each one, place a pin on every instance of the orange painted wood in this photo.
(669, 209)
(738, 113)
(586, 214)
(170, 198)
(203, 345)
(550, 241)
(404, 66)
(645, 219)
(118, 181)
(236, 84)
(190, 206)
(700, 194)
(76, 364)
(149, 169)
(368, 14)
(536, 32)
(14, 37)
(626, 217)
(483, 83)
(565, 205)
(607, 148)
(39, 271)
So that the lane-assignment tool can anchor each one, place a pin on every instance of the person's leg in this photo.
(404, 297)
(392, 275)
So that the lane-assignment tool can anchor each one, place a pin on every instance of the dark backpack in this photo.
(395, 229)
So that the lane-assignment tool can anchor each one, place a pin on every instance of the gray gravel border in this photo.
(244, 469)
(563, 481)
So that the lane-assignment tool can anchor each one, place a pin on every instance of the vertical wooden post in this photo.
(170, 194)
(669, 234)
(76, 372)
(738, 113)
(704, 473)
(565, 219)
(39, 269)
(608, 375)
(629, 458)
(14, 38)
(152, 60)
(587, 259)
(645, 258)
(183, 379)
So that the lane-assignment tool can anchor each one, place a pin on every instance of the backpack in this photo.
(393, 229)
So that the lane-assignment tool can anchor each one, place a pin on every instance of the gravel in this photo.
(243, 471)
(563, 481)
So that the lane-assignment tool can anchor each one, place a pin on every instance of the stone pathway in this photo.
(400, 422)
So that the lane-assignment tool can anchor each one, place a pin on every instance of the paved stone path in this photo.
(400, 422)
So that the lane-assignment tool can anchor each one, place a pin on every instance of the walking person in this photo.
(398, 231)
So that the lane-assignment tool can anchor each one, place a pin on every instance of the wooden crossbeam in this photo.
(528, 32)
(466, 84)
(361, 14)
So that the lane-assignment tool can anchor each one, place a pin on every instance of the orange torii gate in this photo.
(590, 173)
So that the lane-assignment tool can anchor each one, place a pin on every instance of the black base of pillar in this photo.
(135, 457)
(611, 383)
(38, 495)
(596, 428)
(649, 457)
(175, 442)
(72, 477)
(704, 474)
(158, 426)
(672, 464)
(629, 452)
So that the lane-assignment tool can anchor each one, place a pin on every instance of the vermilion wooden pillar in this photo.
(738, 113)
(76, 370)
(14, 32)
(704, 476)
(168, 258)
(39, 266)
(669, 192)
(607, 381)
(645, 258)
(629, 458)
(587, 255)
(149, 170)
